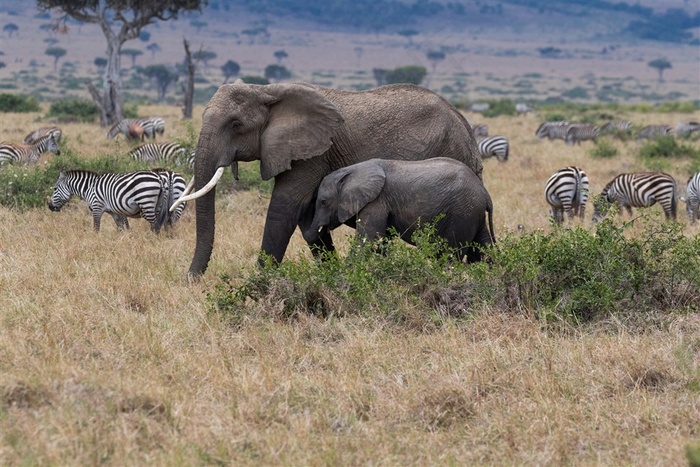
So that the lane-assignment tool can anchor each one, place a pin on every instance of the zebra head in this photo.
(52, 145)
(602, 206)
(61, 193)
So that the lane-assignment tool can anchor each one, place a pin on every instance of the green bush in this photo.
(73, 109)
(667, 147)
(567, 275)
(603, 150)
(18, 103)
(499, 107)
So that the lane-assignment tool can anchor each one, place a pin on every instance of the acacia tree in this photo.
(120, 21)
(660, 64)
(56, 53)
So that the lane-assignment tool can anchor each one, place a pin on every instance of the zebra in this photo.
(567, 191)
(480, 130)
(170, 152)
(655, 131)
(616, 127)
(150, 126)
(494, 146)
(479, 107)
(577, 132)
(686, 129)
(144, 193)
(552, 130)
(177, 186)
(36, 135)
(522, 108)
(28, 153)
(692, 200)
(638, 190)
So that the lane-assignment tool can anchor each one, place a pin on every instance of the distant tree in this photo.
(660, 64)
(435, 56)
(412, 74)
(205, 56)
(380, 76)
(2, 65)
(255, 80)
(10, 28)
(133, 53)
(188, 86)
(153, 48)
(280, 55)
(277, 72)
(162, 76)
(100, 62)
(358, 53)
(144, 36)
(549, 52)
(56, 53)
(199, 24)
(229, 69)
(120, 21)
(408, 34)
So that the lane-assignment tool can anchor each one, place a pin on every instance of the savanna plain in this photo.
(108, 356)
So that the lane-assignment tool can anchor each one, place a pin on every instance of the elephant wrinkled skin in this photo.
(300, 133)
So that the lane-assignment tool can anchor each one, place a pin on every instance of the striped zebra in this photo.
(177, 185)
(151, 126)
(614, 127)
(479, 107)
(36, 135)
(638, 190)
(566, 191)
(480, 130)
(655, 131)
(136, 194)
(686, 129)
(552, 130)
(11, 153)
(494, 146)
(577, 132)
(157, 153)
(692, 198)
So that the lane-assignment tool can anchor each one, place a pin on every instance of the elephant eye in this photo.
(323, 201)
(236, 125)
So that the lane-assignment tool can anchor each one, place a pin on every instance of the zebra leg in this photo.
(121, 221)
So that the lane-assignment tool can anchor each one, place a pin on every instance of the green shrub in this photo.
(603, 150)
(73, 109)
(499, 107)
(18, 103)
(667, 146)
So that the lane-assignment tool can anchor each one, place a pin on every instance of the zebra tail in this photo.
(162, 209)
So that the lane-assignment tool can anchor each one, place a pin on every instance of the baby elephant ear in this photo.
(359, 185)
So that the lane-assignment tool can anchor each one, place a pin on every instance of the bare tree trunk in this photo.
(189, 87)
(97, 100)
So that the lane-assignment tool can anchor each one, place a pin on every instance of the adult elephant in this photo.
(300, 133)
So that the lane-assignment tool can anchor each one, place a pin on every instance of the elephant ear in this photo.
(300, 126)
(358, 186)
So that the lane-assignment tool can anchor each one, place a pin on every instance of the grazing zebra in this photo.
(616, 127)
(578, 132)
(136, 194)
(12, 153)
(639, 190)
(567, 191)
(685, 129)
(134, 132)
(552, 130)
(480, 130)
(156, 153)
(479, 107)
(655, 131)
(494, 146)
(150, 126)
(692, 200)
(36, 135)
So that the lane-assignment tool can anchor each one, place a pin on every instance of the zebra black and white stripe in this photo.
(616, 127)
(577, 132)
(685, 129)
(566, 191)
(151, 126)
(11, 153)
(177, 185)
(552, 130)
(639, 190)
(655, 131)
(480, 130)
(136, 194)
(494, 146)
(39, 133)
(157, 153)
(692, 198)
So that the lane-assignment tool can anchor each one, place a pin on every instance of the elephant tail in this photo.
(489, 214)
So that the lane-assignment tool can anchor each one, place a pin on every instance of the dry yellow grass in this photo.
(107, 356)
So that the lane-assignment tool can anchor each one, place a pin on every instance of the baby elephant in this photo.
(377, 194)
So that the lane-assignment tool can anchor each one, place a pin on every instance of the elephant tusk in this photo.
(188, 188)
(202, 191)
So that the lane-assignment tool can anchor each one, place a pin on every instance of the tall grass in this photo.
(108, 356)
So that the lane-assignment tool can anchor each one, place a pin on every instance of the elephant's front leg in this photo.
(283, 216)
